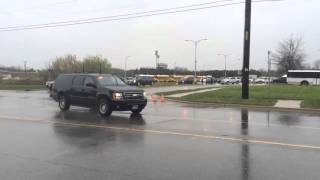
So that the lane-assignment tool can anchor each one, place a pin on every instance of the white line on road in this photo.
(240, 140)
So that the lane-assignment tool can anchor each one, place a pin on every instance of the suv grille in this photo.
(133, 95)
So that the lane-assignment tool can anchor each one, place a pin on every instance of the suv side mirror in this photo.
(91, 85)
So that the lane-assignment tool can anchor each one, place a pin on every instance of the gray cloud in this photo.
(271, 22)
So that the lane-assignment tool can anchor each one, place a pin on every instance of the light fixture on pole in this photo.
(125, 67)
(269, 66)
(195, 53)
(225, 63)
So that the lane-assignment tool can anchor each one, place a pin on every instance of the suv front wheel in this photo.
(136, 111)
(104, 108)
(64, 105)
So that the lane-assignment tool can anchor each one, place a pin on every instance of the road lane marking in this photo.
(201, 136)
(233, 122)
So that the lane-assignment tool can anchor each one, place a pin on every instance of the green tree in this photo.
(290, 55)
(96, 64)
(65, 64)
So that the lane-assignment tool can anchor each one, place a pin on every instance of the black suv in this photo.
(104, 91)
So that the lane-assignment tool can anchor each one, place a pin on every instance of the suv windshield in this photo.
(110, 81)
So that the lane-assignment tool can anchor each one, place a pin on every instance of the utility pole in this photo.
(156, 53)
(195, 54)
(246, 51)
(269, 66)
(225, 63)
(125, 68)
(25, 66)
(100, 68)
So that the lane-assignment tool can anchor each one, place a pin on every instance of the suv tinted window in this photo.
(110, 81)
(78, 81)
(88, 80)
(64, 81)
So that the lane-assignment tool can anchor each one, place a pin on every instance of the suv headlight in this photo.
(117, 96)
(144, 94)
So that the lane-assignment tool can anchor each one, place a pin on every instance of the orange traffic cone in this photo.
(162, 98)
(154, 98)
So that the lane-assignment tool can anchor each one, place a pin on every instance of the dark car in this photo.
(210, 80)
(105, 92)
(143, 80)
(187, 80)
(281, 80)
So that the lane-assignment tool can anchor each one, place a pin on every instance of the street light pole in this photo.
(269, 66)
(125, 68)
(195, 53)
(195, 59)
(25, 66)
(225, 63)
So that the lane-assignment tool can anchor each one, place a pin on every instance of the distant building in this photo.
(162, 66)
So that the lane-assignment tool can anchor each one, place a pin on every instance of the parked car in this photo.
(143, 80)
(49, 84)
(231, 80)
(187, 80)
(210, 80)
(280, 80)
(129, 80)
(260, 81)
(106, 92)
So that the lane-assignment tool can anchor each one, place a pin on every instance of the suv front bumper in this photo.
(127, 105)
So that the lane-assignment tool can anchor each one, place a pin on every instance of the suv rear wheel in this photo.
(64, 105)
(104, 108)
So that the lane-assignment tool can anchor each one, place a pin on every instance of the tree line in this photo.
(72, 64)
(290, 55)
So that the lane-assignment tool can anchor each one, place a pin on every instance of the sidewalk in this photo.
(154, 90)
(290, 104)
(193, 92)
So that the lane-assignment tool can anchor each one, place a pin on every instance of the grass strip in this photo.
(260, 95)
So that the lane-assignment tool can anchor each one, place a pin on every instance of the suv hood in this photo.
(123, 88)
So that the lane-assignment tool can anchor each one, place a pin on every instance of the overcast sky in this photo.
(138, 38)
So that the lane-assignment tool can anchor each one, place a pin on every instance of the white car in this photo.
(49, 84)
(231, 80)
(260, 81)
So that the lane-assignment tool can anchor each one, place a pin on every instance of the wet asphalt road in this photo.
(168, 141)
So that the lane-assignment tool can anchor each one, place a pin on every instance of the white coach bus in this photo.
(303, 77)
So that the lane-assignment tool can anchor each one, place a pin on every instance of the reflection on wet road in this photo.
(167, 141)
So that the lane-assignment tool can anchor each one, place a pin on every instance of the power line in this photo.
(111, 18)
(120, 15)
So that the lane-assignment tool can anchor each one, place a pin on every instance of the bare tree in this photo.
(65, 64)
(290, 55)
(317, 64)
(96, 64)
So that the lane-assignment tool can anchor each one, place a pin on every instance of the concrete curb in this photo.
(257, 107)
